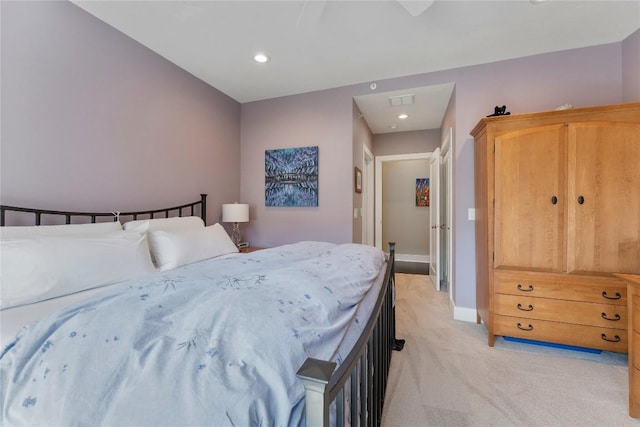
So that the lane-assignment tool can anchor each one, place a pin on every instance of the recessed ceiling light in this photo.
(261, 58)
(403, 116)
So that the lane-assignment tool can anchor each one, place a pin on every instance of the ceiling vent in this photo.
(402, 100)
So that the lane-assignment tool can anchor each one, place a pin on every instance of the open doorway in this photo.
(407, 211)
(368, 226)
(405, 123)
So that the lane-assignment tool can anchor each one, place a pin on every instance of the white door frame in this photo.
(378, 202)
(435, 233)
(367, 213)
(447, 157)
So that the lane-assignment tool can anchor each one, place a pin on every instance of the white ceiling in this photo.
(426, 111)
(316, 45)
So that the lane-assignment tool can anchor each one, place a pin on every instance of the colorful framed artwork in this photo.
(422, 191)
(291, 177)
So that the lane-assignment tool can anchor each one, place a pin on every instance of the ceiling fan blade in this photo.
(416, 7)
(310, 13)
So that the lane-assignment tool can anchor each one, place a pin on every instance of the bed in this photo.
(293, 335)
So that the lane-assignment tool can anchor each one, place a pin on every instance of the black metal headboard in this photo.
(150, 214)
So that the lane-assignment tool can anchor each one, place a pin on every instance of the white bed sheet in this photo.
(274, 388)
(14, 318)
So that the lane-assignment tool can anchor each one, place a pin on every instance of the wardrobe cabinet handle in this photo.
(530, 308)
(605, 295)
(554, 200)
(616, 338)
(613, 319)
(529, 288)
(581, 200)
(530, 327)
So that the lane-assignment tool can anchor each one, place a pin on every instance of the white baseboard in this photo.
(413, 258)
(464, 314)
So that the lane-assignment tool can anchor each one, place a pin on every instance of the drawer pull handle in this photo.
(530, 308)
(616, 338)
(530, 327)
(618, 296)
(613, 319)
(529, 288)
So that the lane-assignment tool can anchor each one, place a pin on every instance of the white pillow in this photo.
(172, 249)
(44, 267)
(59, 230)
(165, 224)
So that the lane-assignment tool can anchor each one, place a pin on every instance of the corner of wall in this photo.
(464, 314)
(630, 67)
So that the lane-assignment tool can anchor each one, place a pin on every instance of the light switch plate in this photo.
(472, 214)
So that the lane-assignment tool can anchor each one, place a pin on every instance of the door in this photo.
(434, 219)
(604, 198)
(446, 254)
(529, 199)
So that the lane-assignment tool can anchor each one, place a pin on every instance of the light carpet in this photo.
(447, 375)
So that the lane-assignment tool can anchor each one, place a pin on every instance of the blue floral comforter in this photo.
(214, 343)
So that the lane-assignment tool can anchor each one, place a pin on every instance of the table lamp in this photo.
(235, 213)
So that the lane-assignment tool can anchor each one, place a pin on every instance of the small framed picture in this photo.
(358, 180)
(422, 191)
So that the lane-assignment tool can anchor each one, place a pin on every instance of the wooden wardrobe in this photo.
(557, 198)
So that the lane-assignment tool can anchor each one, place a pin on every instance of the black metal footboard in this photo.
(358, 385)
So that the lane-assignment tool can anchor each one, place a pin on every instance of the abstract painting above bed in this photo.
(291, 177)
(216, 342)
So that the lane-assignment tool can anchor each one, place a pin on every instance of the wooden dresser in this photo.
(557, 213)
(633, 295)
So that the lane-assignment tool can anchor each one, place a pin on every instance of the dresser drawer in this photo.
(581, 313)
(562, 333)
(576, 288)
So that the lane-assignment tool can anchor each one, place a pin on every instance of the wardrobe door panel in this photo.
(530, 190)
(603, 198)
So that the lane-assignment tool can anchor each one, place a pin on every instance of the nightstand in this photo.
(249, 249)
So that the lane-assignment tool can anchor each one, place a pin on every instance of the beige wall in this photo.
(402, 221)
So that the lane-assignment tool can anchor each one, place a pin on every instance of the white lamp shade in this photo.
(236, 212)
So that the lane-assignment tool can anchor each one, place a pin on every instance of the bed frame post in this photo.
(367, 365)
(398, 344)
(203, 207)
(315, 375)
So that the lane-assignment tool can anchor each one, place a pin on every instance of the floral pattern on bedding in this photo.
(213, 343)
